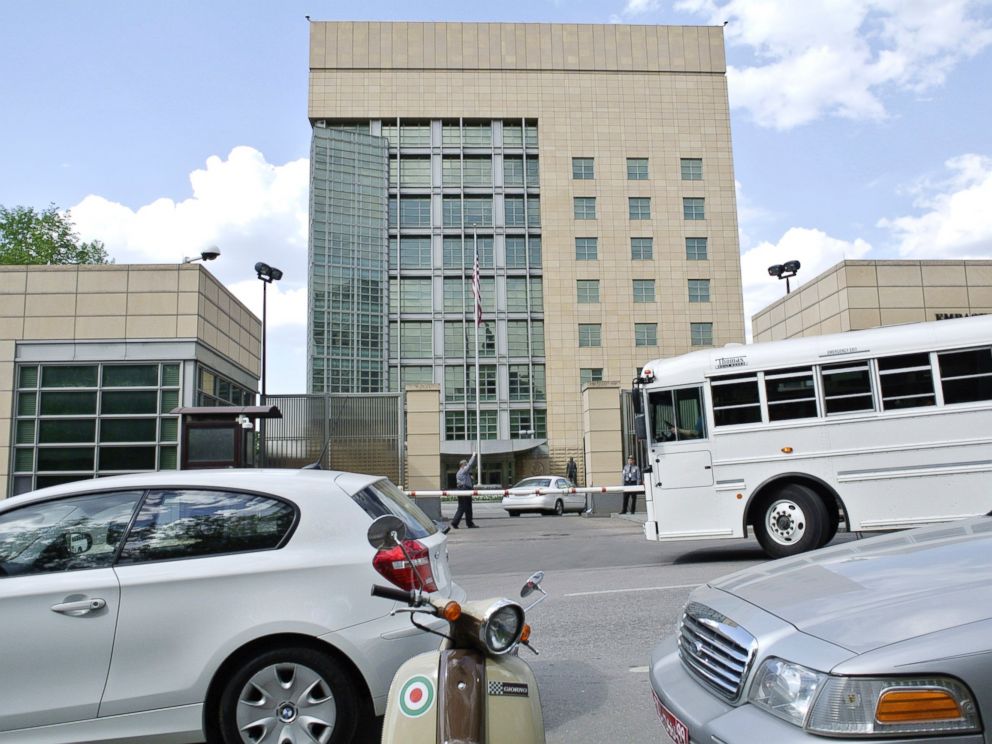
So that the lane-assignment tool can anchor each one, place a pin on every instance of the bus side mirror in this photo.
(641, 426)
(636, 400)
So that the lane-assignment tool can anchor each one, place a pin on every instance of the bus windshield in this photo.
(677, 415)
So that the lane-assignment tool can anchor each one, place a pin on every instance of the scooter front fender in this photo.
(412, 705)
(513, 712)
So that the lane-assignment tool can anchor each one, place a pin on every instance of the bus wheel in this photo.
(792, 520)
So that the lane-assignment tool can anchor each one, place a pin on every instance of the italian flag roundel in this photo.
(416, 696)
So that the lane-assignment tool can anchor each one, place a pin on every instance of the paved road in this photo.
(613, 596)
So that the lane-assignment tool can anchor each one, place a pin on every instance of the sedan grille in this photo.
(715, 649)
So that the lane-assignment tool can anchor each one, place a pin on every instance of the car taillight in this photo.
(394, 566)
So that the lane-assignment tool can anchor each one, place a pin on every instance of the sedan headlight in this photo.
(861, 706)
(785, 689)
(502, 625)
(856, 706)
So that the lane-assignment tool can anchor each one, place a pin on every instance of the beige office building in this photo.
(94, 359)
(854, 295)
(589, 166)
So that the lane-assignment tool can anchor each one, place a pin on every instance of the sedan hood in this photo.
(876, 592)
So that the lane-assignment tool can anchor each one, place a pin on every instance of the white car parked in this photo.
(231, 605)
(534, 500)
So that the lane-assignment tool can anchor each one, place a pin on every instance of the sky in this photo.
(860, 128)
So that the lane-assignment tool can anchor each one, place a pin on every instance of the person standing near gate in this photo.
(463, 481)
(572, 470)
(631, 477)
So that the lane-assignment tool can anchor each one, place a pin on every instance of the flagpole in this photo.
(477, 290)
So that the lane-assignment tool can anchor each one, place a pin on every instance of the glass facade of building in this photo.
(449, 187)
(349, 261)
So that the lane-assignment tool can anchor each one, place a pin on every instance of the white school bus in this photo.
(884, 429)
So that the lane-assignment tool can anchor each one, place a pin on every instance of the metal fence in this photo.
(628, 436)
(343, 431)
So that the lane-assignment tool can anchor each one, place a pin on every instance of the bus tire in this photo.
(829, 530)
(791, 520)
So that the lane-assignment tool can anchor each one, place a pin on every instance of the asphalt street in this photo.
(613, 597)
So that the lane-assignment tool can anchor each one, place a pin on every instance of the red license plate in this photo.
(677, 731)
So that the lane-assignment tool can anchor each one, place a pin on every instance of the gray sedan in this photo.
(879, 640)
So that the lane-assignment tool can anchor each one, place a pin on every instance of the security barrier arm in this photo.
(525, 491)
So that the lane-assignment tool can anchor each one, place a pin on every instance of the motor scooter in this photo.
(474, 689)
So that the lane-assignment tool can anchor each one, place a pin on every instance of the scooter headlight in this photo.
(502, 625)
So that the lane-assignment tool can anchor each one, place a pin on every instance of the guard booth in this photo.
(220, 436)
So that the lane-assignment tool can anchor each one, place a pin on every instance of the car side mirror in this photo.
(386, 532)
(533, 584)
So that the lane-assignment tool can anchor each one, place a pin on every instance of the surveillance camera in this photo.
(775, 270)
(792, 266)
(209, 254)
(276, 274)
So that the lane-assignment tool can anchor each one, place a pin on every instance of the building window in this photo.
(695, 249)
(478, 172)
(693, 208)
(701, 334)
(415, 173)
(521, 289)
(585, 207)
(692, 169)
(644, 290)
(415, 295)
(520, 387)
(533, 211)
(415, 212)
(458, 253)
(415, 253)
(645, 334)
(451, 171)
(415, 134)
(586, 249)
(582, 169)
(415, 340)
(513, 172)
(451, 134)
(478, 211)
(699, 290)
(642, 249)
(590, 374)
(637, 169)
(639, 207)
(590, 335)
(513, 210)
(478, 134)
(513, 135)
(587, 291)
(459, 426)
(533, 172)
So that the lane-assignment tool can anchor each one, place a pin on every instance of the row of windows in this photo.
(526, 382)
(645, 334)
(470, 172)
(690, 169)
(523, 294)
(883, 384)
(415, 339)
(470, 211)
(458, 252)
(639, 207)
(587, 291)
(641, 249)
(524, 424)
(516, 134)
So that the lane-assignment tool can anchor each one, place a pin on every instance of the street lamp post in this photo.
(784, 271)
(267, 274)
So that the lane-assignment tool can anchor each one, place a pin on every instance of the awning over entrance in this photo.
(492, 446)
(266, 412)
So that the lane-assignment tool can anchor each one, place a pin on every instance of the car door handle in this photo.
(82, 607)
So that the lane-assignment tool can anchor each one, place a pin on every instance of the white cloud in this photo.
(254, 211)
(956, 220)
(814, 249)
(837, 57)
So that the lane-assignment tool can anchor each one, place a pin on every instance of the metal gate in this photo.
(628, 435)
(362, 433)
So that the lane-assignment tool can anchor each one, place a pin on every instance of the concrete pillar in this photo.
(423, 444)
(603, 443)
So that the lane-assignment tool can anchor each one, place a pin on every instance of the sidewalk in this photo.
(638, 517)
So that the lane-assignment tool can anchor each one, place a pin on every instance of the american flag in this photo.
(476, 287)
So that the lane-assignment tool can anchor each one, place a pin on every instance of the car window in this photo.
(70, 534)
(534, 483)
(383, 497)
(197, 523)
(562, 483)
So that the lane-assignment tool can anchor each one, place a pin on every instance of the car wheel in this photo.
(292, 694)
(792, 520)
(514, 513)
(559, 508)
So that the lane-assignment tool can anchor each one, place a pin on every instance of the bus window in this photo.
(677, 415)
(966, 376)
(735, 400)
(847, 387)
(791, 394)
(907, 381)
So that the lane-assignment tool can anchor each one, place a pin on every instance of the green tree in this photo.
(46, 237)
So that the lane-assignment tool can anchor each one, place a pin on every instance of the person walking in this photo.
(572, 470)
(463, 481)
(631, 477)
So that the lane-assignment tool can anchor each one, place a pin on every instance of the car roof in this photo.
(295, 484)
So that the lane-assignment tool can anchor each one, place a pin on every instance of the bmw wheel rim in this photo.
(286, 704)
(785, 522)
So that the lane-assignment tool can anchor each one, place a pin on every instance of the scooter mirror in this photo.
(386, 532)
(533, 583)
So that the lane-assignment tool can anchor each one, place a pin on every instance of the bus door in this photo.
(680, 451)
